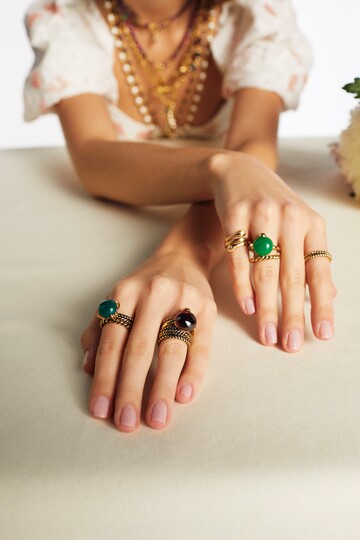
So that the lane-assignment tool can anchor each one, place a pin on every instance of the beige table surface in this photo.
(270, 449)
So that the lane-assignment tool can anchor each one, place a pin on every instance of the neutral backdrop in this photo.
(331, 26)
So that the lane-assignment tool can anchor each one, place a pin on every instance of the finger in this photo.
(238, 260)
(139, 354)
(265, 274)
(321, 287)
(292, 278)
(171, 358)
(193, 373)
(108, 358)
(89, 342)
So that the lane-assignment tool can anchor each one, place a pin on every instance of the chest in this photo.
(138, 77)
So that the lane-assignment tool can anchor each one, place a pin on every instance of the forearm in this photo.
(143, 173)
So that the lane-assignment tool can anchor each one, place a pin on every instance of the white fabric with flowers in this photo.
(258, 44)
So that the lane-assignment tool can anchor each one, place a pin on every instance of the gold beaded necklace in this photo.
(192, 67)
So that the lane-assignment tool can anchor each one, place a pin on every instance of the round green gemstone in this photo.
(263, 245)
(107, 308)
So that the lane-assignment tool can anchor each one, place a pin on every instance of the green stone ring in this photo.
(262, 248)
(108, 311)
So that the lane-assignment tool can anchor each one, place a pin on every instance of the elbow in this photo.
(86, 171)
(90, 185)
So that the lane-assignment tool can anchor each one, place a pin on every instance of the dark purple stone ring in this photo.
(185, 320)
(180, 326)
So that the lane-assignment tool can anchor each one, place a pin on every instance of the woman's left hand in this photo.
(120, 360)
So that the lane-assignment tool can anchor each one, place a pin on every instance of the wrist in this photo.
(198, 237)
(200, 256)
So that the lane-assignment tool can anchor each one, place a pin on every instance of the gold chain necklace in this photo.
(192, 67)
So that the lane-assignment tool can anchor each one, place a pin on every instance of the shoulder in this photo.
(69, 16)
(73, 54)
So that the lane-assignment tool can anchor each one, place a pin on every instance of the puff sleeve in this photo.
(69, 58)
(268, 51)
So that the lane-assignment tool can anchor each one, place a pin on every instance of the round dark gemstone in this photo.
(107, 308)
(185, 320)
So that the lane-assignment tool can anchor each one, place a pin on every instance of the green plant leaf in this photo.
(353, 88)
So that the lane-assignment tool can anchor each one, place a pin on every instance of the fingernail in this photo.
(128, 416)
(270, 334)
(250, 306)
(86, 358)
(294, 340)
(325, 330)
(159, 412)
(101, 407)
(186, 390)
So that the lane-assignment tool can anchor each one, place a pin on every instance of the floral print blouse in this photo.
(258, 44)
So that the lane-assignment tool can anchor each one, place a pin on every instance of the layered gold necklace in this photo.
(191, 58)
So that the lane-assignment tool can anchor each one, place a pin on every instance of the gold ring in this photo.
(264, 258)
(238, 239)
(109, 312)
(318, 253)
(180, 326)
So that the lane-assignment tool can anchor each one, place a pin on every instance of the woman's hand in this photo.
(164, 285)
(249, 195)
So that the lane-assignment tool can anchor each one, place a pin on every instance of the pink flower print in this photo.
(119, 129)
(297, 56)
(305, 78)
(35, 79)
(31, 18)
(52, 8)
(270, 10)
(227, 92)
(292, 82)
(57, 85)
(144, 135)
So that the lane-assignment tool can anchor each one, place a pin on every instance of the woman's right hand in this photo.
(162, 286)
(249, 195)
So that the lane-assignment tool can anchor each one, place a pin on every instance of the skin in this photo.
(177, 275)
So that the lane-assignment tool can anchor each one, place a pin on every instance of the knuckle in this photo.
(266, 313)
(265, 274)
(318, 222)
(108, 347)
(234, 213)
(323, 311)
(117, 290)
(173, 348)
(292, 212)
(138, 350)
(239, 262)
(265, 209)
(210, 309)
(321, 278)
(188, 292)
(200, 351)
(294, 320)
(294, 280)
(196, 374)
(160, 285)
